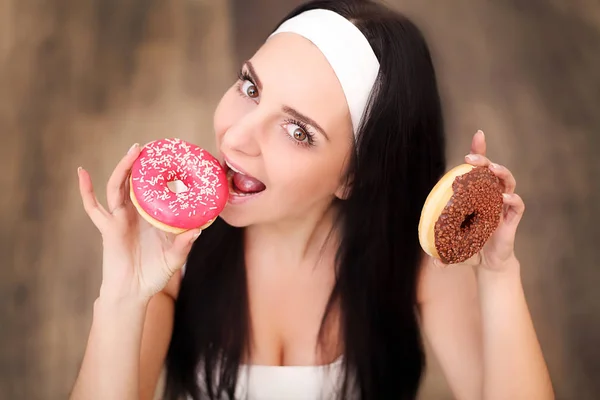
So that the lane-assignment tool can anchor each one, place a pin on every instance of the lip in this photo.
(237, 199)
(236, 168)
(233, 197)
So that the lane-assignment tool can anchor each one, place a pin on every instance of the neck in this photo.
(294, 242)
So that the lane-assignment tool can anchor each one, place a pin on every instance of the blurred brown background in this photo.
(80, 81)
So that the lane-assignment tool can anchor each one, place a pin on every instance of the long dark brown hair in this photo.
(399, 157)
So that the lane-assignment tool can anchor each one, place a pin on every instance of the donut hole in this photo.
(177, 186)
(468, 221)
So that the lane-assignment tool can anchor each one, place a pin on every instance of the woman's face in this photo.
(285, 127)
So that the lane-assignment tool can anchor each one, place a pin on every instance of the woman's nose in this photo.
(244, 136)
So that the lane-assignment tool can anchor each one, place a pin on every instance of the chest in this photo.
(287, 307)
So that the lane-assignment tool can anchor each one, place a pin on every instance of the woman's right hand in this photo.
(138, 259)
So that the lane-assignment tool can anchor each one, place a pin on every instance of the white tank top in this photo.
(261, 382)
(266, 382)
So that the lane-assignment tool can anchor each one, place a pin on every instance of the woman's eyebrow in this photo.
(253, 74)
(296, 114)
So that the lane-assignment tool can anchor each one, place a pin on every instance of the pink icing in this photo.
(168, 160)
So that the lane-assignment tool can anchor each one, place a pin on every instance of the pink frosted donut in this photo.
(177, 186)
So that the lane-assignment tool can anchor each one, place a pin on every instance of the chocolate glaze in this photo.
(470, 217)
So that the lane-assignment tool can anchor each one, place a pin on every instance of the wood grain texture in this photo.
(81, 81)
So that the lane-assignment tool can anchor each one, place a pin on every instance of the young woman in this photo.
(313, 284)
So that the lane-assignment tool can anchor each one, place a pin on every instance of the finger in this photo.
(477, 160)
(181, 246)
(506, 177)
(115, 188)
(474, 260)
(169, 238)
(478, 145)
(515, 209)
(94, 210)
(127, 188)
(439, 263)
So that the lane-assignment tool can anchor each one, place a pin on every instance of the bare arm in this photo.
(110, 368)
(499, 351)
(513, 363)
(128, 343)
(481, 332)
(451, 320)
(133, 315)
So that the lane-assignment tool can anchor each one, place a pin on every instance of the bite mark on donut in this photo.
(470, 217)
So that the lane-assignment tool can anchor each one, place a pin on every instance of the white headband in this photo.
(347, 50)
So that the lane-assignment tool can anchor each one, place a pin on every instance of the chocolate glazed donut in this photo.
(458, 219)
(470, 217)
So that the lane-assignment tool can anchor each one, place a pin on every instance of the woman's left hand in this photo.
(498, 252)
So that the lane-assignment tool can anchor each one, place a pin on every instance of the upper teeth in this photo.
(233, 169)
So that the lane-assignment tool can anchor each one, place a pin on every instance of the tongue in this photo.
(246, 184)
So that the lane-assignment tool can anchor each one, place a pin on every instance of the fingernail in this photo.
(494, 166)
(481, 132)
(79, 170)
(132, 147)
(506, 195)
(472, 157)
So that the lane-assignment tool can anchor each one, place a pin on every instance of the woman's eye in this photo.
(249, 89)
(297, 133)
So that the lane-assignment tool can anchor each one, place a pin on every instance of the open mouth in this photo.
(240, 183)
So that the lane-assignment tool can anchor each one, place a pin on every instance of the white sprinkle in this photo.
(172, 159)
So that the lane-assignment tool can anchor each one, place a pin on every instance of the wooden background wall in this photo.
(80, 81)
